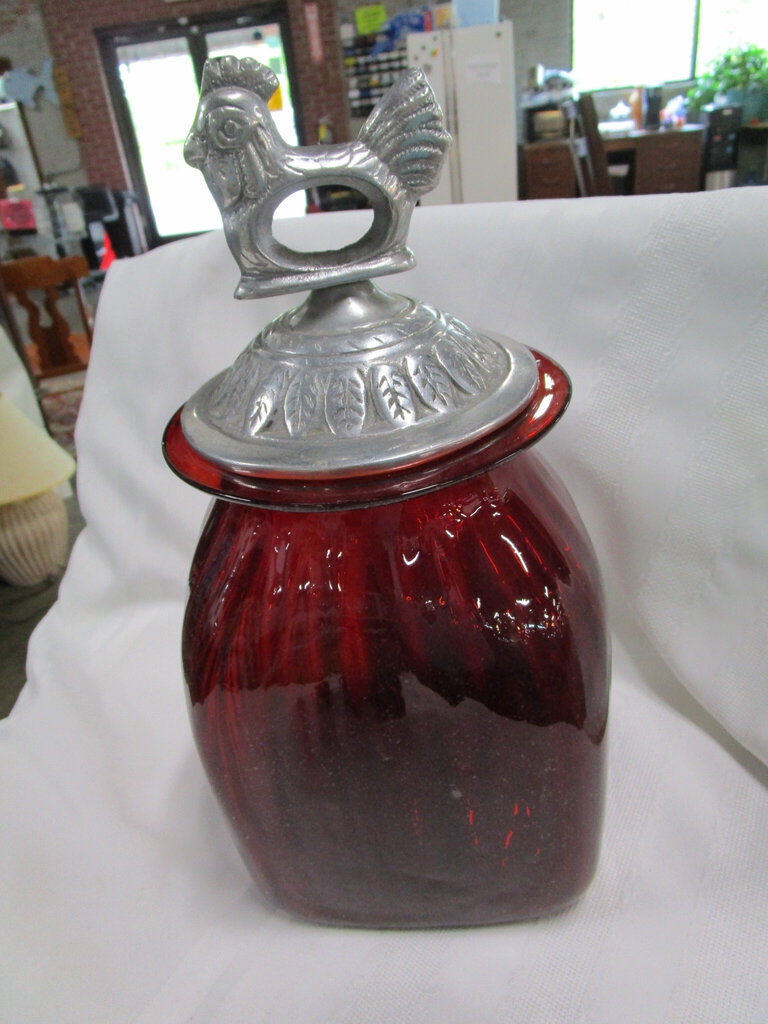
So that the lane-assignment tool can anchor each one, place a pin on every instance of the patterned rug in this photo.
(60, 402)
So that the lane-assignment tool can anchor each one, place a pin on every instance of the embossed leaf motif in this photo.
(431, 382)
(393, 396)
(345, 404)
(265, 398)
(300, 403)
(232, 391)
(473, 345)
(463, 370)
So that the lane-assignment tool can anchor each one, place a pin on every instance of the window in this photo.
(724, 24)
(620, 43)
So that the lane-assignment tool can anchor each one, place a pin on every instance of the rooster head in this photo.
(232, 127)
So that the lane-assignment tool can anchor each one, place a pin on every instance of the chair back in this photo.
(39, 283)
(587, 149)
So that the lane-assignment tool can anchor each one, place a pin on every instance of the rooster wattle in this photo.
(250, 170)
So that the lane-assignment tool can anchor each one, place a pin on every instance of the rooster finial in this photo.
(250, 170)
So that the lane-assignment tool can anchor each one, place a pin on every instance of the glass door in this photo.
(154, 74)
(161, 90)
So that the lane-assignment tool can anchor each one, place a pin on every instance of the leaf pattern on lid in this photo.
(431, 382)
(393, 397)
(264, 400)
(461, 368)
(345, 403)
(300, 403)
(473, 345)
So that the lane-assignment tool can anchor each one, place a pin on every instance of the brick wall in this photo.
(70, 26)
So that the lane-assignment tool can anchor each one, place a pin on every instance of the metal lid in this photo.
(354, 380)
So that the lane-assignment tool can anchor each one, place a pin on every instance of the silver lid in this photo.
(355, 379)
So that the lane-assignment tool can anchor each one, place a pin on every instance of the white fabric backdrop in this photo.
(123, 897)
(14, 381)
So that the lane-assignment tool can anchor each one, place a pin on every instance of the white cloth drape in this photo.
(123, 897)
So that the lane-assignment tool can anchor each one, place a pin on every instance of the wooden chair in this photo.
(37, 283)
(587, 150)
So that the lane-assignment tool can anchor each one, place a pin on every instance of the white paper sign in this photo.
(483, 69)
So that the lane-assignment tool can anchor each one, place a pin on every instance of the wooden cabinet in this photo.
(547, 171)
(657, 162)
(668, 162)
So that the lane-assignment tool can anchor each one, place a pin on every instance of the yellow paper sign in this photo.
(370, 19)
(276, 99)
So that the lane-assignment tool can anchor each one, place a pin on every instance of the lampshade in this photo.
(30, 461)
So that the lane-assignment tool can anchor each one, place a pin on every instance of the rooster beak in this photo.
(194, 150)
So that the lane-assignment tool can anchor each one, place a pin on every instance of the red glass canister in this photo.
(394, 645)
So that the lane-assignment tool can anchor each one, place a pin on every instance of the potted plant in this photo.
(739, 76)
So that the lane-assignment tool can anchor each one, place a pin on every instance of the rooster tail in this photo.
(406, 131)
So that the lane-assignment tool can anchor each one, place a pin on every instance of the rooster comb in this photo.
(241, 72)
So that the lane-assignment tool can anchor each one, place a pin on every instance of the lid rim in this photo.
(383, 450)
(551, 398)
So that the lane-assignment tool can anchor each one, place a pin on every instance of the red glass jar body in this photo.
(402, 707)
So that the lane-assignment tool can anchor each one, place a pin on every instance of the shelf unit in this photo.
(369, 76)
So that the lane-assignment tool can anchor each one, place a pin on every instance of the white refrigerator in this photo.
(473, 75)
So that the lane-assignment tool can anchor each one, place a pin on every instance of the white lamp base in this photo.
(33, 539)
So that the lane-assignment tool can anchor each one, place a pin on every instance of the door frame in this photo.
(193, 29)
